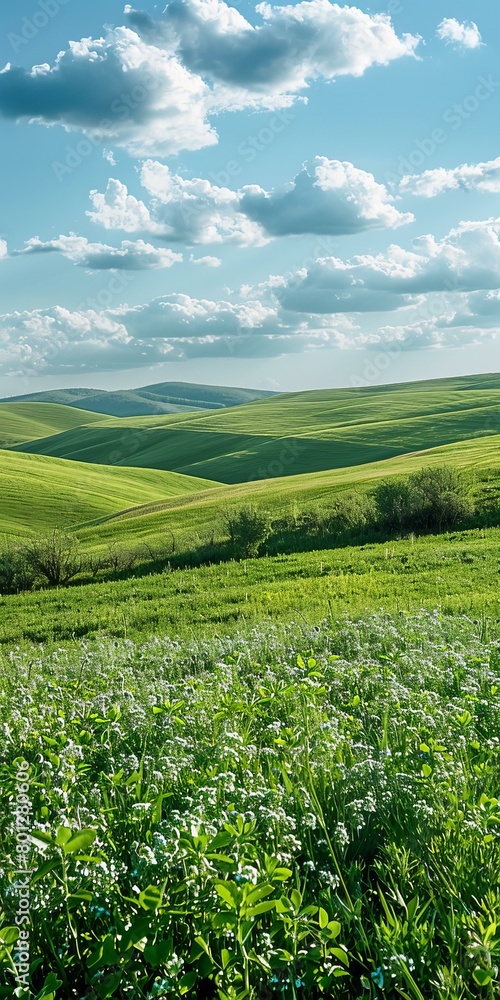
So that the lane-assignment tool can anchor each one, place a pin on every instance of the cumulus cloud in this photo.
(116, 88)
(3, 249)
(153, 86)
(428, 333)
(178, 327)
(467, 259)
(173, 328)
(483, 177)
(130, 256)
(464, 319)
(196, 211)
(294, 44)
(181, 211)
(464, 35)
(327, 197)
(117, 209)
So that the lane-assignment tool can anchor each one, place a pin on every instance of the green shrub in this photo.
(444, 498)
(15, 573)
(248, 528)
(396, 505)
(350, 512)
(436, 498)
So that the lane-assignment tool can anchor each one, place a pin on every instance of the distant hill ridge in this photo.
(163, 397)
(289, 434)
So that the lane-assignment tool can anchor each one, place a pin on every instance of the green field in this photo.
(458, 573)
(196, 518)
(290, 434)
(272, 778)
(23, 422)
(39, 493)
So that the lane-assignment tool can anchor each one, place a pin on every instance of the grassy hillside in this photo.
(21, 422)
(291, 434)
(163, 397)
(38, 493)
(457, 573)
(196, 518)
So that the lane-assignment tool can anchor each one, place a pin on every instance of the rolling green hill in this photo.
(22, 422)
(39, 493)
(291, 434)
(163, 397)
(196, 519)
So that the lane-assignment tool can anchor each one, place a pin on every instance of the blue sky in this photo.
(285, 197)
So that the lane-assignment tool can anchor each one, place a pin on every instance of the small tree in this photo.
(119, 559)
(248, 528)
(54, 557)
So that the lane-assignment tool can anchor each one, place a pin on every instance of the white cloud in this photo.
(3, 249)
(117, 209)
(464, 35)
(130, 256)
(196, 211)
(326, 197)
(109, 156)
(181, 211)
(294, 44)
(153, 87)
(174, 328)
(467, 259)
(483, 177)
(57, 340)
(206, 261)
(118, 89)
(178, 327)
(451, 321)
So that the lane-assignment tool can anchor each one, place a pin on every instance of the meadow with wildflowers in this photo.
(250, 741)
(292, 812)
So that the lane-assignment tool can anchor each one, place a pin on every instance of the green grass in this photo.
(39, 493)
(196, 519)
(22, 422)
(289, 814)
(458, 572)
(291, 434)
(274, 779)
